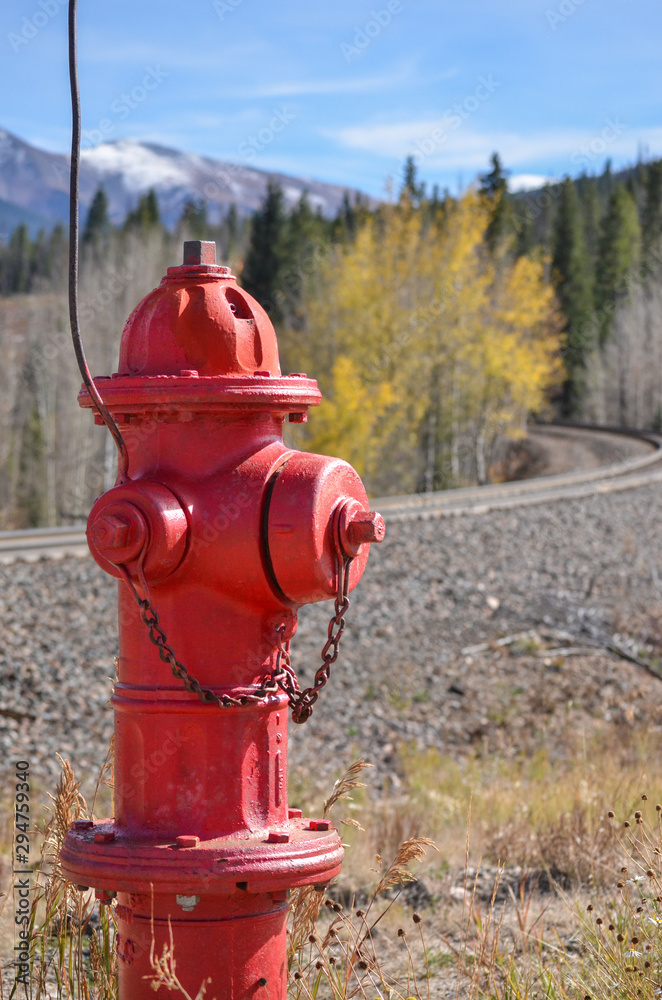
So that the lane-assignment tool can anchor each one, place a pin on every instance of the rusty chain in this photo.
(301, 702)
(167, 655)
(283, 677)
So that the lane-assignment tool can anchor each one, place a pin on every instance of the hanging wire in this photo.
(102, 409)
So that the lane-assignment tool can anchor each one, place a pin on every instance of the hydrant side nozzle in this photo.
(357, 526)
(138, 519)
(307, 504)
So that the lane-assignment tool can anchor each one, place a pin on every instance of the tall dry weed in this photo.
(498, 948)
(72, 955)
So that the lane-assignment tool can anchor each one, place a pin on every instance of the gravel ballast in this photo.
(583, 569)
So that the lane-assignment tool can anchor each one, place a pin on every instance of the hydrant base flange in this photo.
(272, 861)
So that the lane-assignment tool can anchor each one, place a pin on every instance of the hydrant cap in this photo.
(198, 321)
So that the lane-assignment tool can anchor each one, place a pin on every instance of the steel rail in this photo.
(566, 485)
(37, 543)
(629, 473)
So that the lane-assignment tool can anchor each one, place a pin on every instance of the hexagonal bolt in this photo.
(199, 252)
(81, 825)
(278, 837)
(110, 531)
(118, 532)
(104, 837)
(187, 840)
(366, 526)
(319, 824)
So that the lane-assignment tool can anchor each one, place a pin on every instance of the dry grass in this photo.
(71, 943)
(482, 928)
(534, 813)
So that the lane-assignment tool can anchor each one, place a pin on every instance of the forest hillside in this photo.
(436, 325)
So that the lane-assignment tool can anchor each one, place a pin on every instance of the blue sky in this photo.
(343, 91)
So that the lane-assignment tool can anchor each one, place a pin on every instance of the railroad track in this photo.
(39, 543)
(625, 473)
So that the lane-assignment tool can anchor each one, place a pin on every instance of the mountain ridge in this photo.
(34, 183)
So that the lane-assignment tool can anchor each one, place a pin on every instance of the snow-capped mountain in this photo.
(34, 184)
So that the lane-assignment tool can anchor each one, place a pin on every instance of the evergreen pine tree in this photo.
(151, 209)
(494, 182)
(573, 275)
(592, 212)
(193, 221)
(546, 216)
(146, 215)
(526, 235)
(97, 224)
(606, 182)
(18, 265)
(411, 187)
(494, 187)
(306, 233)
(619, 256)
(231, 225)
(346, 222)
(264, 264)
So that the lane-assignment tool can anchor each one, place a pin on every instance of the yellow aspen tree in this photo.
(427, 348)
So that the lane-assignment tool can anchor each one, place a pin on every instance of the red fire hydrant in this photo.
(218, 538)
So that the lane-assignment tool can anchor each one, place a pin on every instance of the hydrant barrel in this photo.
(218, 537)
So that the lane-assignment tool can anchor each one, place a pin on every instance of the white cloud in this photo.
(398, 77)
(141, 167)
(330, 86)
(528, 182)
(451, 144)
